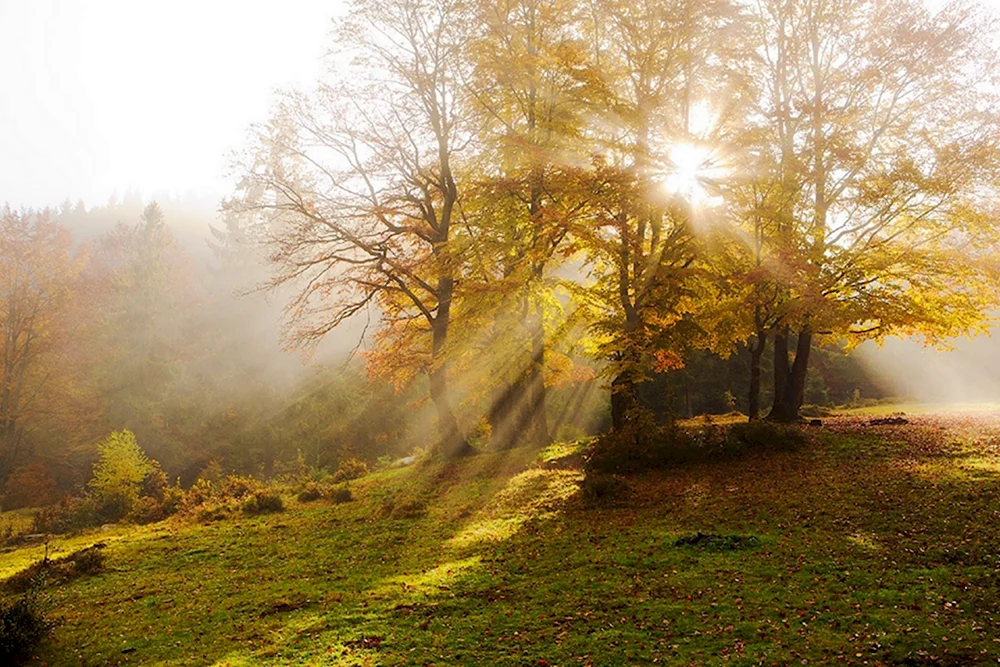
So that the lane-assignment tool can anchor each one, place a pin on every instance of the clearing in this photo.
(872, 545)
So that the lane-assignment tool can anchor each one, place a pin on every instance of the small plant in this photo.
(209, 512)
(146, 510)
(393, 508)
(350, 468)
(340, 494)
(765, 435)
(23, 626)
(642, 444)
(263, 501)
(155, 484)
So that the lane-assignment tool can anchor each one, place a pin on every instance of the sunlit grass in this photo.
(865, 537)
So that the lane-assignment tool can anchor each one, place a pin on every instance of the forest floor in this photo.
(875, 545)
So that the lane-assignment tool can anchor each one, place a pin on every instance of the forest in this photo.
(505, 277)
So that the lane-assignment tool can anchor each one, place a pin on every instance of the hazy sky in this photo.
(100, 96)
(103, 95)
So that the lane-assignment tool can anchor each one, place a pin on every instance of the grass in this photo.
(873, 544)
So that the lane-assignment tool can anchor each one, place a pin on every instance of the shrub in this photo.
(118, 474)
(350, 468)
(71, 513)
(147, 510)
(212, 472)
(30, 485)
(405, 509)
(645, 445)
(211, 511)
(340, 494)
(155, 483)
(311, 492)
(765, 435)
(238, 487)
(642, 444)
(200, 493)
(85, 562)
(173, 499)
(263, 501)
(23, 626)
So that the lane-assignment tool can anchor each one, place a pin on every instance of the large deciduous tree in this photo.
(523, 92)
(358, 189)
(37, 274)
(650, 63)
(877, 130)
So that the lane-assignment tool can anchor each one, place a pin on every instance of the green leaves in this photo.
(119, 472)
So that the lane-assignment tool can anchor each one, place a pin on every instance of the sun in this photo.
(691, 168)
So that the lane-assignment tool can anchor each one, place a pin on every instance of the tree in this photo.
(877, 137)
(37, 275)
(357, 189)
(118, 473)
(141, 282)
(650, 62)
(527, 195)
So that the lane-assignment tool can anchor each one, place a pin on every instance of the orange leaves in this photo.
(667, 360)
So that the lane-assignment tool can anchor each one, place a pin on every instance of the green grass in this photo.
(875, 545)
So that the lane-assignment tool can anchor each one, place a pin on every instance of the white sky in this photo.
(98, 96)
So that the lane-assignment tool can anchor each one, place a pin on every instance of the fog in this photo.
(207, 240)
(969, 373)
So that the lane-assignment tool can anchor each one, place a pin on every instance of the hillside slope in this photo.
(872, 545)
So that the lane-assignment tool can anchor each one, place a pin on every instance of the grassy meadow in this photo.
(873, 545)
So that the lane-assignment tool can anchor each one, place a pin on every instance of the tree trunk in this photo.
(623, 399)
(453, 442)
(790, 378)
(756, 352)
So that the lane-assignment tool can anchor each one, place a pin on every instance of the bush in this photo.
(200, 493)
(154, 484)
(392, 508)
(118, 475)
(263, 501)
(645, 445)
(311, 492)
(340, 494)
(147, 510)
(350, 468)
(764, 435)
(30, 485)
(71, 513)
(85, 562)
(23, 626)
(239, 487)
(211, 511)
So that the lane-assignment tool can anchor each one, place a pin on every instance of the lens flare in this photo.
(692, 168)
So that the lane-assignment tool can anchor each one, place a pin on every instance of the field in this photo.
(874, 544)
